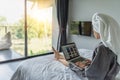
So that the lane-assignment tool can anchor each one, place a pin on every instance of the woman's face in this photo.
(96, 34)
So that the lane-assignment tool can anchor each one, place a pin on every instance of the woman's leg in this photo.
(60, 57)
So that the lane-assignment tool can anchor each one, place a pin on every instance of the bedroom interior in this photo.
(79, 10)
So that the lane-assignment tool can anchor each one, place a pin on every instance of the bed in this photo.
(47, 68)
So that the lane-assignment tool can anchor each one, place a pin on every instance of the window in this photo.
(11, 16)
(39, 29)
(29, 25)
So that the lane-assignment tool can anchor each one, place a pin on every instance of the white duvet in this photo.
(47, 68)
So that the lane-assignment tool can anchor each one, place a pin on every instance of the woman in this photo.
(106, 57)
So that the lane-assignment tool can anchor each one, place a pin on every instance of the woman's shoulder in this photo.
(101, 47)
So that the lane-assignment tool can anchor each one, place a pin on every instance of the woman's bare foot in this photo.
(57, 54)
(60, 57)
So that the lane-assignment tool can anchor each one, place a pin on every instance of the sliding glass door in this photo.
(12, 20)
(39, 22)
(30, 28)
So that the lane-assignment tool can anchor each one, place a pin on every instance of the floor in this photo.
(7, 69)
(8, 54)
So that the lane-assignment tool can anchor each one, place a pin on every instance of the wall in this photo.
(82, 10)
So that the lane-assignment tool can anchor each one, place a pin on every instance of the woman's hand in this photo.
(88, 62)
(80, 64)
(83, 64)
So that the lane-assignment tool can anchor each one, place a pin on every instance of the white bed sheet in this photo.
(47, 68)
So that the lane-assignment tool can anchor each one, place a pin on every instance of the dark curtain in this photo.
(62, 15)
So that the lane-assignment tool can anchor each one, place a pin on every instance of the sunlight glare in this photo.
(41, 14)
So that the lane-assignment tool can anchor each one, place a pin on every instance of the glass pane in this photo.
(39, 29)
(12, 20)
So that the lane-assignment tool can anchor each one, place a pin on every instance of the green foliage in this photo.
(31, 53)
(74, 27)
(35, 29)
(3, 20)
(19, 33)
(38, 29)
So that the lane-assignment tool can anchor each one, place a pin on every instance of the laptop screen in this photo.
(70, 51)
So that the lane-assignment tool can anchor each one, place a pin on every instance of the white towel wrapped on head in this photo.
(109, 31)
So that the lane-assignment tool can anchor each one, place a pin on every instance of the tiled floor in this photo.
(7, 69)
(8, 54)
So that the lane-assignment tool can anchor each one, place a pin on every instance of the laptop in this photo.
(71, 53)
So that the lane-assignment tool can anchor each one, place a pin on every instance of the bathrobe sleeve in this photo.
(79, 71)
(104, 65)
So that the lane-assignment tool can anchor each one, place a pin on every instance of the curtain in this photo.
(62, 15)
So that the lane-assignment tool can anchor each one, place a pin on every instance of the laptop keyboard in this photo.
(78, 59)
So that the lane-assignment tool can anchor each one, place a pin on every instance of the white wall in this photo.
(82, 10)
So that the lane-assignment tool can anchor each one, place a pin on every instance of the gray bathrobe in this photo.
(104, 65)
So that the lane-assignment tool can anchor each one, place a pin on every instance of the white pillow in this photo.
(5, 41)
